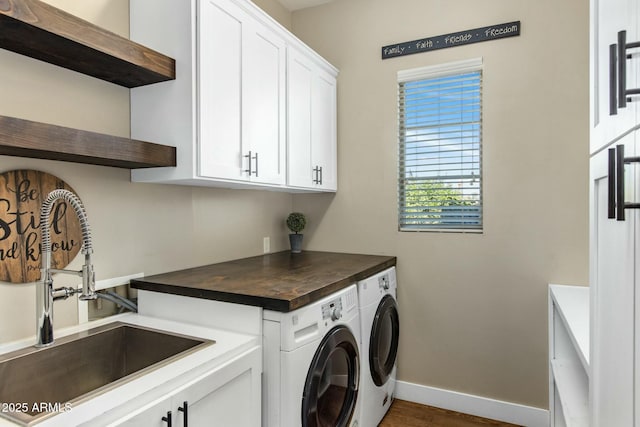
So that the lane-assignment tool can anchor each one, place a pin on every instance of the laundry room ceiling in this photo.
(292, 5)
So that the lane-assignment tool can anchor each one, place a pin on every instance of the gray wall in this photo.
(473, 307)
(136, 227)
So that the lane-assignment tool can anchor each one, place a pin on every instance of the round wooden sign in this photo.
(21, 195)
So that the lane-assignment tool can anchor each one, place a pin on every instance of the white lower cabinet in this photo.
(614, 381)
(614, 294)
(224, 396)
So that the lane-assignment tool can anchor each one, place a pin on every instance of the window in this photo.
(440, 138)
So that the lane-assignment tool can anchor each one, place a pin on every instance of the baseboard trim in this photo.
(475, 405)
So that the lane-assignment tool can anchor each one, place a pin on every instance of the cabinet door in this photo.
(323, 130)
(608, 18)
(263, 103)
(229, 396)
(220, 26)
(153, 415)
(299, 84)
(312, 124)
(612, 295)
(226, 405)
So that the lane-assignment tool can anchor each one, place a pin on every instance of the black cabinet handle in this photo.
(320, 176)
(167, 419)
(185, 413)
(611, 208)
(613, 79)
(623, 93)
(622, 69)
(620, 182)
(616, 204)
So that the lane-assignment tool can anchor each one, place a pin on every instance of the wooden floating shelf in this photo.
(41, 31)
(25, 138)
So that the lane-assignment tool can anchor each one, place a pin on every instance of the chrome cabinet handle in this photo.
(318, 171)
(249, 157)
(256, 159)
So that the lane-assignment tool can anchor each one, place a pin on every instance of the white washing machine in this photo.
(311, 367)
(380, 329)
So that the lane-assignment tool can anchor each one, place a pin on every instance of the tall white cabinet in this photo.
(240, 113)
(614, 383)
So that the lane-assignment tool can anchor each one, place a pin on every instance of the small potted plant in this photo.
(296, 223)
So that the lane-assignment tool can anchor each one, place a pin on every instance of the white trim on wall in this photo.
(474, 405)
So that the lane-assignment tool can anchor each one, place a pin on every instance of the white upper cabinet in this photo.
(264, 102)
(312, 124)
(226, 112)
(300, 81)
(220, 103)
(242, 96)
(608, 19)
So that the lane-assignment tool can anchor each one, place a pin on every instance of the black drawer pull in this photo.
(185, 413)
(167, 419)
(620, 182)
(624, 94)
(611, 185)
(613, 80)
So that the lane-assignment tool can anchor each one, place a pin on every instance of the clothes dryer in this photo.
(380, 329)
(312, 364)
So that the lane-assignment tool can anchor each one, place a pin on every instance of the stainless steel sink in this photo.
(83, 365)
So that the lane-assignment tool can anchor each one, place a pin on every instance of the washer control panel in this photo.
(383, 282)
(332, 310)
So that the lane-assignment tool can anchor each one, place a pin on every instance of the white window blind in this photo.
(440, 138)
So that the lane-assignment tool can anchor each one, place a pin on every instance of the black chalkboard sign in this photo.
(444, 41)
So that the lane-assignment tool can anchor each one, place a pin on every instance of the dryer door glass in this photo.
(331, 387)
(383, 344)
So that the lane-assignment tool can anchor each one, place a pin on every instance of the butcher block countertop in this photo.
(281, 281)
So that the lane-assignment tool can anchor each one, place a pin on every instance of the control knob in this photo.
(336, 313)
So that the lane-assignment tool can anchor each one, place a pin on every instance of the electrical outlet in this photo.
(266, 245)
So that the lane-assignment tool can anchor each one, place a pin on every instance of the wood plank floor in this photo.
(409, 414)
